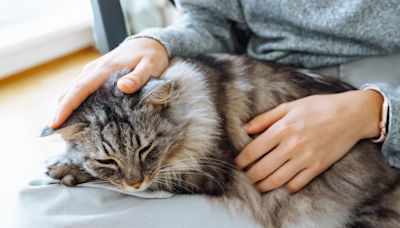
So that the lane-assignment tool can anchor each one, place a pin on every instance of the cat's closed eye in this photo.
(144, 151)
(107, 161)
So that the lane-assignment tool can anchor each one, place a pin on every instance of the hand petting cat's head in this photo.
(164, 137)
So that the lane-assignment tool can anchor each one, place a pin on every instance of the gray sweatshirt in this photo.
(302, 33)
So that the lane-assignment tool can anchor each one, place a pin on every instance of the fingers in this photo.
(78, 92)
(136, 79)
(133, 54)
(76, 80)
(264, 120)
(91, 81)
(259, 146)
(267, 165)
(307, 175)
(280, 176)
(301, 180)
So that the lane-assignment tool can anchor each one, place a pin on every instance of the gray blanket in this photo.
(46, 204)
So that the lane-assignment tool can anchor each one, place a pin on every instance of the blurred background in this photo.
(44, 44)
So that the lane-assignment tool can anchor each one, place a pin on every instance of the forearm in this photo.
(199, 31)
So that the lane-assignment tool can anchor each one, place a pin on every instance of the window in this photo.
(33, 32)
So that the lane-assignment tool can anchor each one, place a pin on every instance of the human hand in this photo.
(147, 57)
(303, 138)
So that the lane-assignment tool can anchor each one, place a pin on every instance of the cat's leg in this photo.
(67, 169)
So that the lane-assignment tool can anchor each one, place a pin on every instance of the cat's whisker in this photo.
(202, 159)
(167, 182)
(201, 172)
(206, 165)
(183, 160)
(193, 169)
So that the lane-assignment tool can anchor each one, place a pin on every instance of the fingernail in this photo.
(53, 121)
(55, 116)
(128, 82)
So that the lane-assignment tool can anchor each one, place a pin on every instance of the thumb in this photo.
(266, 119)
(136, 79)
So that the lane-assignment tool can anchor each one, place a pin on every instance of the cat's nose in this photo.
(136, 185)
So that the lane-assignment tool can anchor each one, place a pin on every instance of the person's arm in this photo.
(391, 144)
(204, 28)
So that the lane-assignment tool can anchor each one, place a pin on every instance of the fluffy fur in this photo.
(181, 132)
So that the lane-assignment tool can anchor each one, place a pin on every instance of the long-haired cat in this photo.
(181, 132)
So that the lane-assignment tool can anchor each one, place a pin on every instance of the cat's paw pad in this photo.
(69, 174)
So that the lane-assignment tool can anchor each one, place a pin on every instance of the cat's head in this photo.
(136, 141)
(124, 138)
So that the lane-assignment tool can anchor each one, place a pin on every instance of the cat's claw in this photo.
(68, 173)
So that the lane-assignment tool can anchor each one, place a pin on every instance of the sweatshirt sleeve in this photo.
(391, 146)
(201, 29)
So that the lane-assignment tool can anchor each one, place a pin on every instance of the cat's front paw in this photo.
(68, 173)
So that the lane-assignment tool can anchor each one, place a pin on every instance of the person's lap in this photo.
(54, 205)
(369, 70)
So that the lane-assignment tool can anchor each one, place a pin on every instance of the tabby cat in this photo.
(181, 132)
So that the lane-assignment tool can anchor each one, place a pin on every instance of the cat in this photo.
(181, 132)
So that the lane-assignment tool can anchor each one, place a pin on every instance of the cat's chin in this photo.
(129, 188)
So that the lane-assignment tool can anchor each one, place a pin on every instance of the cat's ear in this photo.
(161, 94)
(66, 131)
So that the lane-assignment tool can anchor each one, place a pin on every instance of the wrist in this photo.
(371, 103)
(148, 42)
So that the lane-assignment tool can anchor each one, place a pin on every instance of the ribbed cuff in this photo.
(384, 114)
(391, 146)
